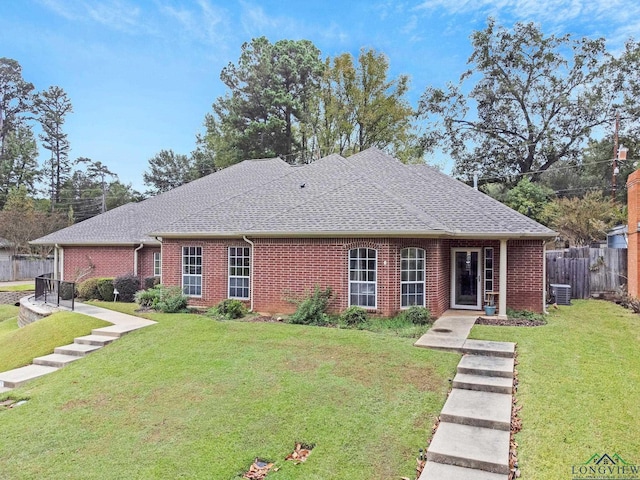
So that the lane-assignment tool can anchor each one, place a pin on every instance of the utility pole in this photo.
(615, 158)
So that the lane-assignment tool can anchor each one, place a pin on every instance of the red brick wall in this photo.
(633, 217)
(525, 282)
(89, 262)
(81, 263)
(290, 268)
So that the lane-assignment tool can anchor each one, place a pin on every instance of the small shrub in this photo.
(230, 308)
(150, 282)
(163, 299)
(417, 315)
(171, 300)
(89, 289)
(311, 310)
(146, 298)
(127, 286)
(105, 289)
(354, 316)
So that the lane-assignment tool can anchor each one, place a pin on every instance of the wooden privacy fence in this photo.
(588, 270)
(24, 268)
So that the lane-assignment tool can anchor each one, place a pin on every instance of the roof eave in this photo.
(361, 233)
(86, 243)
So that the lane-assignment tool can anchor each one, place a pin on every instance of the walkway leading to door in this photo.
(122, 324)
(473, 438)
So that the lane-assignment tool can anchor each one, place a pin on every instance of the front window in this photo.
(362, 277)
(239, 272)
(192, 271)
(412, 277)
(157, 264)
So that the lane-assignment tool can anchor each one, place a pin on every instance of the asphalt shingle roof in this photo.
(369, 193)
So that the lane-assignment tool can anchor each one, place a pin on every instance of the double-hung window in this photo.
(157, 264)
(412, 277)
(192, 271)
(362, 277)
(239, 272)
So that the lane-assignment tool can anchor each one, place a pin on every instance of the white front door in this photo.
(465, 278)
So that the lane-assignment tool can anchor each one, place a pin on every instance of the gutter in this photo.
(135, 259)
(360, 234)
(244, 237)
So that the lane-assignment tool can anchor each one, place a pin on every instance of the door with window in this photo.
(465, 279)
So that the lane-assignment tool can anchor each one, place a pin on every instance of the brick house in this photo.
(381, 234)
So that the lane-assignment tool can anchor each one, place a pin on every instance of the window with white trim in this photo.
(157, 264)
(192, 271)
(412, 277)
(488, 269)
(239, 272)
(363, 277)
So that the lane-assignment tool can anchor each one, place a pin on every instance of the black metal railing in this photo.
(56, 292)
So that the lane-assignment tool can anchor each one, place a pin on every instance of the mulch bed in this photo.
(264, 318)
(509, 322)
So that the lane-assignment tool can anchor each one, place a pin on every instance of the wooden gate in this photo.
(588, 270)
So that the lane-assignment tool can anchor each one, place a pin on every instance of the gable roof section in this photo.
(367, 194)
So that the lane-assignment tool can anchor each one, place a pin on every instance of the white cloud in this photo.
(115, 14)
(205, 23)
(619, 18)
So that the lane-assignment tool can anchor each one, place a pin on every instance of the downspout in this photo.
(56, 262)
(135, 259)
(544, 278)
(244, 237)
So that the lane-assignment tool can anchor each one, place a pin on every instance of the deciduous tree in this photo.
(583, 220)
(21, 222)
(535, 101)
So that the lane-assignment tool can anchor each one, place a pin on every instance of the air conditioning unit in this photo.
(562, 293)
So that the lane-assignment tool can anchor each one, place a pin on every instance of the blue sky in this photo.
(141, 75)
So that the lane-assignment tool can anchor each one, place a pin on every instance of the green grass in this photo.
(193, 398)
(19, 346)
(579, 387)
(17, 288)
(8, 319)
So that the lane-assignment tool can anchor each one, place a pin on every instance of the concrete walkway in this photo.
(121, 325)
(473, 438)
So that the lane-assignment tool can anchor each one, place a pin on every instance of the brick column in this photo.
(633, 209)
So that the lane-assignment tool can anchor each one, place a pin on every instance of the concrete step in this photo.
(97, 340)
(488, 366)
(77, 349)
(117, 330)
(17, 377)
(478, 409)
(442, 471)
(55, 360)
(483, 383)
(489, 348)
(5, 389)
(470, 447)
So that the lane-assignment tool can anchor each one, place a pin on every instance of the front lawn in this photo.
(8, 319)
(19, 346)
(191, 397)
(579, 387)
